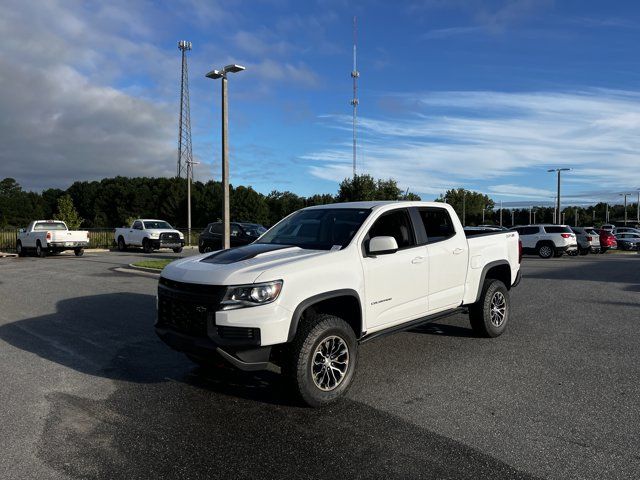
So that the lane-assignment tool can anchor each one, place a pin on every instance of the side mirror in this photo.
(382, 245)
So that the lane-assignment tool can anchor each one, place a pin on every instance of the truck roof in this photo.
(378, 203)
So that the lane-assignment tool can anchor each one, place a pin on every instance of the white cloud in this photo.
(448, 139)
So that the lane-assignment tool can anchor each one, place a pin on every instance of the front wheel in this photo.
(79, 252)
(19, 250)
(177, 250)
(322, 360)
(146, 246)
(490, 314)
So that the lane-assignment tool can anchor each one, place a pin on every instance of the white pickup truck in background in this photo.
(50, 236)
(330, 277)
(150, 235)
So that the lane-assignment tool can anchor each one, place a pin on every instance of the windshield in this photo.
(156, 224)
(49, 226)
(318, 229)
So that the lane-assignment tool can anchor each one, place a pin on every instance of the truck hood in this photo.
(237, 266)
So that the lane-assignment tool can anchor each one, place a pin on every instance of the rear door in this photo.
(448, 254)
(396, 283)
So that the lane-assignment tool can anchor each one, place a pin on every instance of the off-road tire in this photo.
(480, 313)
(545, 250)
(122, 247)
(40, 252)
(19, 250)
(298, 360)
(79, 252)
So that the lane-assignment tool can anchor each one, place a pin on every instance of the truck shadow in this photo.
(167, 418)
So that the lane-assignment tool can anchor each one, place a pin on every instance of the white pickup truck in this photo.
(328, 278)
(50, 236)
(150, 235)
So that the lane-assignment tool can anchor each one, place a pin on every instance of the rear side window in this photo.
(137, 225)
(437, 224)
(553, 229)
(396, 224)
(528, 230)
(216, 228)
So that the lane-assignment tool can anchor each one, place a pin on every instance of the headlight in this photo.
(181, 234)
(154, 235)
(251, 295)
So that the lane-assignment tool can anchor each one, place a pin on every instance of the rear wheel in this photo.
(545, 250)
(121, 245)
(19, 250)
(584, 251)
(490, 314)
(321, 362)
(79, 252)
(177, 250)
(40, 252)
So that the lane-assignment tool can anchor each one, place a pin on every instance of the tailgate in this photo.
(69, 236)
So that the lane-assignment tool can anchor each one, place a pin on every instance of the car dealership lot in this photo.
(88, 390)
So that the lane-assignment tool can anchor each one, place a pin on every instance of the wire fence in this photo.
(98, 237)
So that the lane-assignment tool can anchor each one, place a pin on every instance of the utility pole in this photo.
(354, 102)
(484, 207)
(226, 221)
(558, 170)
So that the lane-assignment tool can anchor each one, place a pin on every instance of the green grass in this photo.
(158, 264)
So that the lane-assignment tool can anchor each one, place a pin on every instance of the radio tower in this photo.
(355, 75)
(185, 155)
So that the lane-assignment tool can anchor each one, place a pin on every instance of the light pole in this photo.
(558, 170)
(534, 217)
(484, 207)
(638, 210)
(530, 211)
(500, 212)
(625, 195)
(464, 208)
(226, 221)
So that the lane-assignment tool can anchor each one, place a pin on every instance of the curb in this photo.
(135, 271)
(3, 254)
(144, 269)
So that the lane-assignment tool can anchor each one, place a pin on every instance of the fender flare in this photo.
(302, 306)
(485, 270)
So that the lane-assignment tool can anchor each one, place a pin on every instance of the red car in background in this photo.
(607, 241)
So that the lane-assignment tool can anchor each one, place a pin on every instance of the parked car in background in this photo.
(150, 235)
(588, 241)
(607, 241)
(628, 241)
(241, 234)
(547, 240)
(608, 227)
(595, 233)
(618, 230)
(50, 236)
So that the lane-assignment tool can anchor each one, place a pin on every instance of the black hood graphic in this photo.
(239, 254)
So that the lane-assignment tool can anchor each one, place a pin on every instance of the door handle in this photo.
(458, 251)
(418, 260)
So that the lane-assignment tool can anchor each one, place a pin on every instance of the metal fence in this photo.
(98, 237)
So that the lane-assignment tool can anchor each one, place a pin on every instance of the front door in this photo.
(395, 283)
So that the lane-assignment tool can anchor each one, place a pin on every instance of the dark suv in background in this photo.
(241, 234)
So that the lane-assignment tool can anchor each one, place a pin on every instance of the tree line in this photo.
(114, 202)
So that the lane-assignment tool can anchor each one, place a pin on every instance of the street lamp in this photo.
(226, 222)
(558, 170)
(625, 195)
(464, 208)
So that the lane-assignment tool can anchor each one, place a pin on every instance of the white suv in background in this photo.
(547, 240)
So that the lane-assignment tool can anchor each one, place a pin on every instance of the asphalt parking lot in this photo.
(88, 391)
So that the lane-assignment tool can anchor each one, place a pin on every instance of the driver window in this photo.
(235, 230)
(396, 224)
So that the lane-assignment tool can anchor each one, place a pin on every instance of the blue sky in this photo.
(484, 95)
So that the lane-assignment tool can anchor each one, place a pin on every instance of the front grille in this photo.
(187, 307)
(239, 333)
(183, 317)
(169, 237)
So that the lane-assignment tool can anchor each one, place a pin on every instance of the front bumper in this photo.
(190, 320)
(158, 244)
